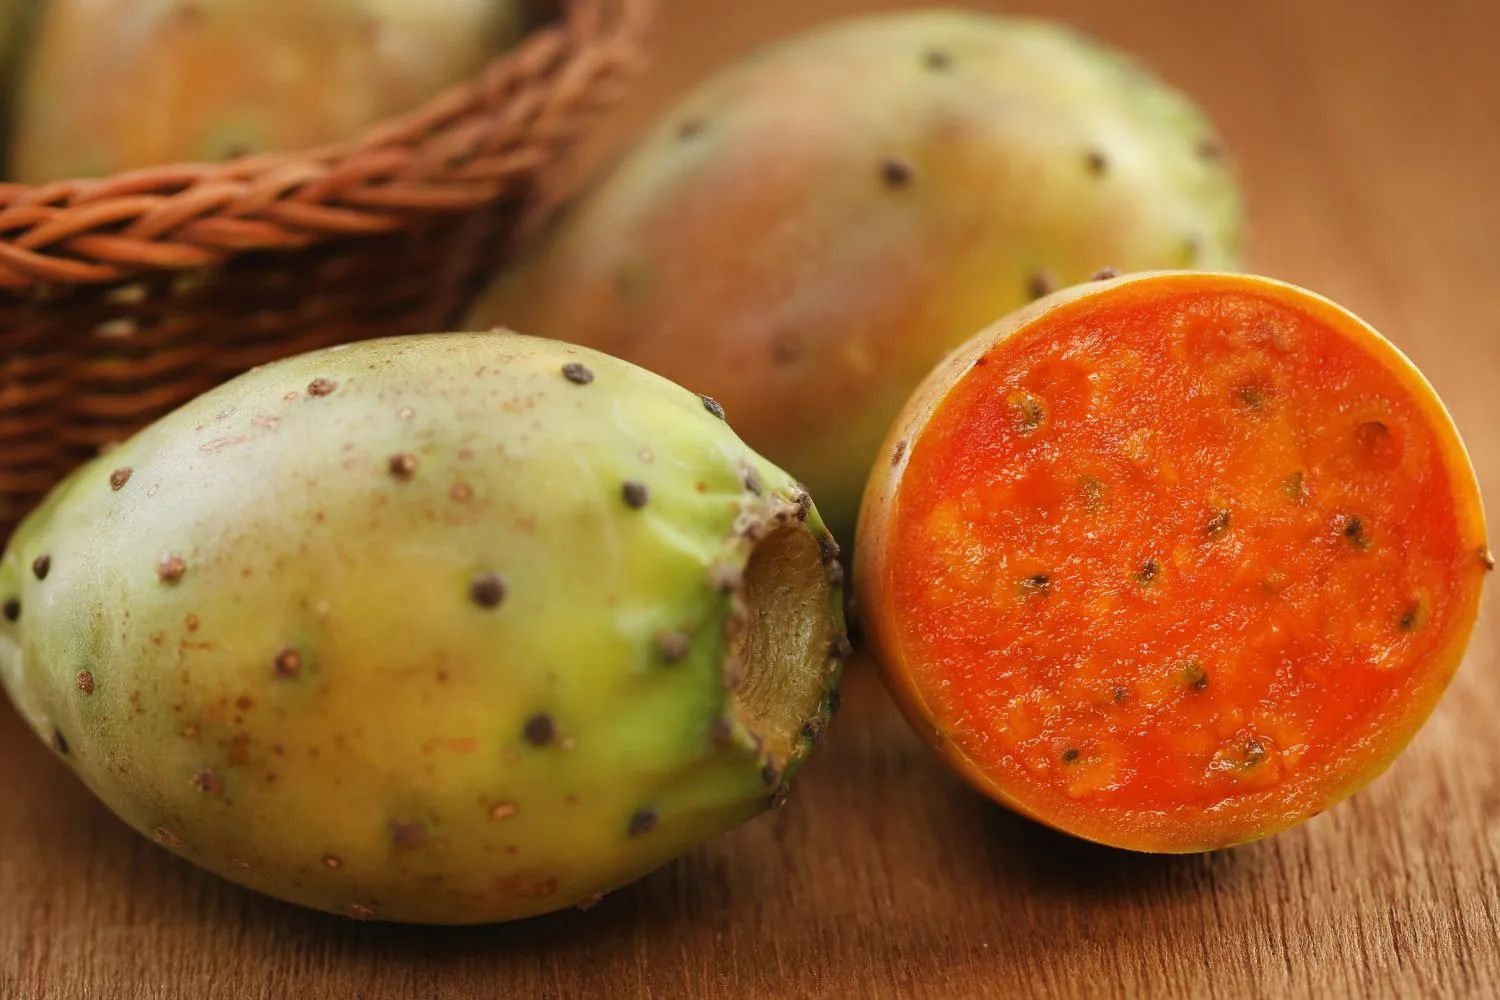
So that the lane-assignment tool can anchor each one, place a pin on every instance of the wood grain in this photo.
(1368, 139)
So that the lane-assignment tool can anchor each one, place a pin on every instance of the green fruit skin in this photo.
(393, 770)
(808, 232)
(115, 85)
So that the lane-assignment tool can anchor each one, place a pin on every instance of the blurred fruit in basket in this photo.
(113, 85)
(807, 233)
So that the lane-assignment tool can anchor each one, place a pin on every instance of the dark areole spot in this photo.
(12, 610)
(712, 406)
(895, 173)
(1041, 283)
(635, 494)
(540, 730)
(690, 129)
(170, 567)
(120, 477)
(578, 374)
(1218, 523)
(288, 663)
(408, 834)
(41, 566)
(58, 742)
(85, 682)
(1070, 755)
(937, 60)
(1097, 162)
(487, 590)
(1104, 274)
(403, 466)
(642, 822)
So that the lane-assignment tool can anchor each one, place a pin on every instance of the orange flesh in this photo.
(1175, 557)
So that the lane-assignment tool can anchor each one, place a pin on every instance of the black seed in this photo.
(1255, 752)
(937, 59)
(895, 174)
(674, 645)
(1041, 583)
(120, 477)
(1030, 411)
(635, 494)
(1121, 695)
(1194, 676)
(1217, 524)
(540, 730)
(321, 387)
(1148, 571)
(1104, 274)
(712, 406)
(1070, 755)
(1410, 616)
(12, 610)
(812, 731)
(1041, 283)
(487, 590)
(403, 466)
(85, 682)
(578, 374)
(41, 566)
(1293, 488)
(1093, 490)
(58, 742)
(1354, 530)
(1097, 162)
(835, 701)
(1371, 434)
(642, 822)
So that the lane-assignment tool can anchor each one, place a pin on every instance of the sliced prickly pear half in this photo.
(1172, 562)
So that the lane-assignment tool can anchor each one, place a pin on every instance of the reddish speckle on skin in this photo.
(166, 837)
(170, 567)
(462, 492)
(119, 477)
(359, 911)
(288, 663)
(41, 566)
(503, 810)
(192, 623)
(207, 782)
(321, 387)
(85, 682)
(331, 862)
(244, 702)
(591, 902)
(190, 730)
(403, 465)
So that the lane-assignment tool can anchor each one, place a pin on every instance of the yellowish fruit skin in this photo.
(880, 514)
(389, 771)
(807, 233)
(115, 85)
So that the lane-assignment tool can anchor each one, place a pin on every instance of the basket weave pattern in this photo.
(123, 297)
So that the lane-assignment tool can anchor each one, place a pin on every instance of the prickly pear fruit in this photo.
(119, 84)
(444, 629)
(807, 233)
(1172, 562)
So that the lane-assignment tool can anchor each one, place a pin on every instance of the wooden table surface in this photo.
(1367, 134)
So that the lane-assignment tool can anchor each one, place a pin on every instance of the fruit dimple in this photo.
(1176, 551)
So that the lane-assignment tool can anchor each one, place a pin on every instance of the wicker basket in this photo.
(124, 297)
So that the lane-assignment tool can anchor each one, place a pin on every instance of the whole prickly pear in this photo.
(806, 234)
(451, 629)
(116, 85)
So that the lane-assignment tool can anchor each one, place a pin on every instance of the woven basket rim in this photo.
(456, 152)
